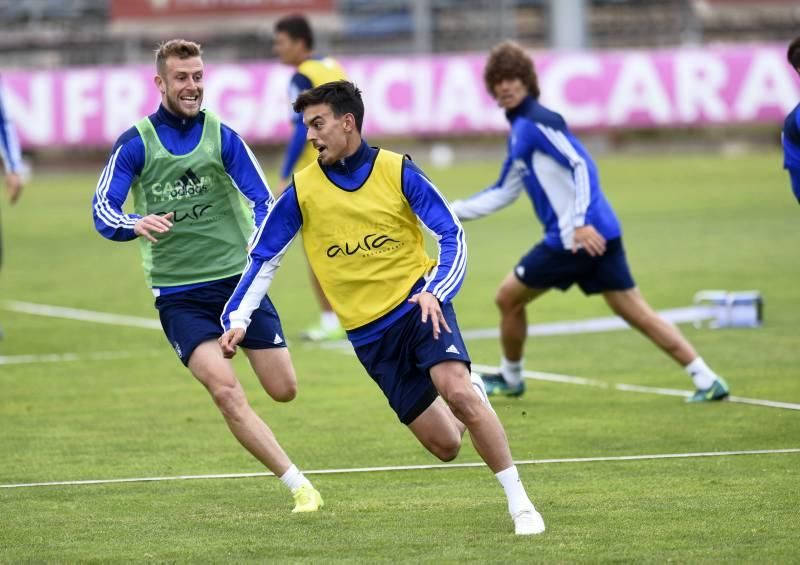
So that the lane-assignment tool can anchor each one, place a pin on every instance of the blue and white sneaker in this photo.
(496, 385)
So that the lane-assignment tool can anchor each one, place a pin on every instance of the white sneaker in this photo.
(528, 522)
(480, 388)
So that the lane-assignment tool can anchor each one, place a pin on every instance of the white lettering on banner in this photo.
(638, 88)
(554, 81)
(699, 80)
(124, 96)
(388, 118)
(274, 108)
(228, 92)
(458, 97)
(422, 95)
(80, 102)
(35, 121)
(768, 82)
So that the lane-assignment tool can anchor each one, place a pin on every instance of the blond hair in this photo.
(180, 48)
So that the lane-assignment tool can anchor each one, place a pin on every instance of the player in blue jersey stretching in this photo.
(358, 209)
(791, 128)
(12, 161)
(294, 45)
(583, 238)
(196, 187)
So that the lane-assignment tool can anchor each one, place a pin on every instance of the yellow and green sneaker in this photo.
(717, 391)
(306, 499)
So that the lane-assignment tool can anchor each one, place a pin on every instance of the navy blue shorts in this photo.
(400, 360)
(192, 317)
(545, 267)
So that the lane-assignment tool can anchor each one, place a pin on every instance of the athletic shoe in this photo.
(496, 385)
(477, 384)
(318, 333)
(717, 391)
(306, 499)
(528, 522)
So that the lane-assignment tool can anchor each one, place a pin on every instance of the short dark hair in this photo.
(296, 26)
(793, 53)
(180, 48)
(342, 96)
(509, 60)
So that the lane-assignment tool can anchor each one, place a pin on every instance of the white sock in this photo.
(701, 374)
(515, 493)
(329, 320)
(293, 478)
(511, 370)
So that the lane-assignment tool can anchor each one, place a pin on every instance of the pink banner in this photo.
(435, 95)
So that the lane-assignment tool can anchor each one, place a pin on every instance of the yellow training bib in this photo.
(365, 246)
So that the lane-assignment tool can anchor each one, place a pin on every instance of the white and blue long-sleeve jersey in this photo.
(556, 171)
(285, 220)
(179, 136)
(791, 148)
(9, 143)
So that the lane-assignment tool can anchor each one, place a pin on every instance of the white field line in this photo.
(591, 325)
(67, 357)
(82, 315)
(594, 325)
(675, 315)
(413, 467)
(568, 379)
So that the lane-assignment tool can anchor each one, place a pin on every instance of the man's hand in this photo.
(14, 186)
(429, 305)
(590, 239)
(153, 223)
(229, 340)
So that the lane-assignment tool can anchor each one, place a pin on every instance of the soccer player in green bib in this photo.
(358, 209)
(198, 193)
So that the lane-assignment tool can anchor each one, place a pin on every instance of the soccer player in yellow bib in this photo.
(294, 45)
(359, 208)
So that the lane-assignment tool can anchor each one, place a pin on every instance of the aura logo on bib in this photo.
(370, 244)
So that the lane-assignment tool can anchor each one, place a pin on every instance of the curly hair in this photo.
(793, 53)
(508, 60)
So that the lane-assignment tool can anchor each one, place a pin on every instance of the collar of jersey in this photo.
(166, 117)
(346, 169)
(523, 108)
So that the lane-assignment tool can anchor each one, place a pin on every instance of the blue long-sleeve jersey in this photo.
(791, 149)
(179, 136)
(285, 220)
(556, 171)
(9, 143)
(297, 141)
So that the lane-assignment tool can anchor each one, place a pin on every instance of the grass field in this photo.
(691, 223)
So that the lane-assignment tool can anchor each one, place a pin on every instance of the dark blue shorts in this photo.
(192, 317)
(399, 361)
(545, 267)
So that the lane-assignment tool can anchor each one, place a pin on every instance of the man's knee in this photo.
(464, 403)
(284, 391)
(229, 398)
(508, 302)
(445, 446)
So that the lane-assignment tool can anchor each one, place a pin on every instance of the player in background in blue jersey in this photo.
(583, 239)
(10, 153)
(359, 209)
(294, 45)
(12, 161)
(791, 128)
(190, 177)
